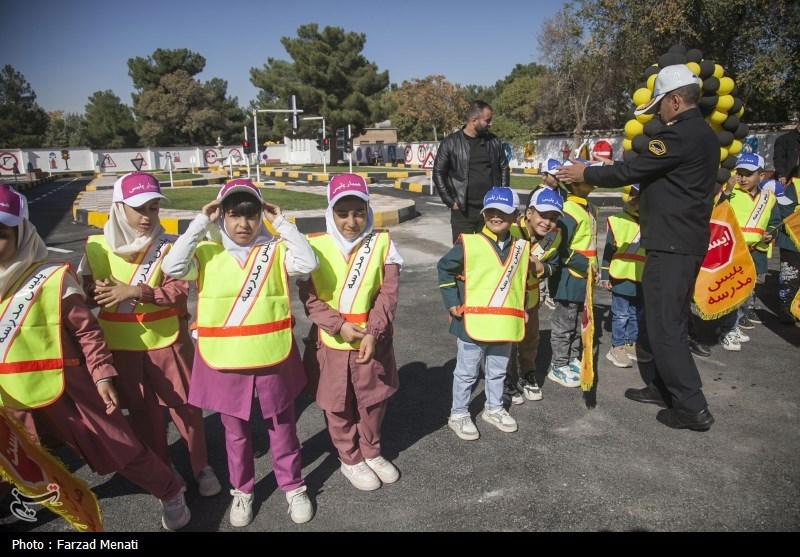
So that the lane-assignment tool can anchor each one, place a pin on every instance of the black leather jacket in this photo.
(451, 167)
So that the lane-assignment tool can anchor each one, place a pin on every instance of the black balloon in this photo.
(730, 162)
(628, 156)
(731, 124)
(722, 175)
(651, 70)
(725, 138)
(737, 105)
(734, 90)
(694, 55)
(679, 48)
(630, 115)
(706, 69)
(639, 143)
(706, 110)
(678, 58)
(710, 84)
(641, 85)
(651, 127)
(664, 60)
(742, 131)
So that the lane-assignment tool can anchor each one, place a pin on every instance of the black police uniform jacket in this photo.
(677, 175)
(451, 167)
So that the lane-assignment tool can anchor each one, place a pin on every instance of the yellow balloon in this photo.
(718, 71)
(626, 144)
(718, 117)
(741, 112)
(725, 102)
(735, 147)
(694, 67)
(725, 86)
(633, 128)
(716, 127)
(644, 118)
(641, 96)
(723, 154)
(651, 81)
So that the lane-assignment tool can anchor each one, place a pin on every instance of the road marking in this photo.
(435, 203)
(59, 250)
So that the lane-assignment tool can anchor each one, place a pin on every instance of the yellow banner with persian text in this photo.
(40, 480)
(792, 227)
(587, 334)
(728, 274)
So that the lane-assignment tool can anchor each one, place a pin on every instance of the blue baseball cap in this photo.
(501, 199)
(750, 161)
(777, 188)
(545, 199)
(550, 166)
(635, 187)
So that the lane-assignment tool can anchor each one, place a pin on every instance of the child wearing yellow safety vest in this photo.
(539, 227)
(56, 372)
(144, 317)
(789, 276)
(621, 273)
(568, 286)
(351, 300)
(482, 281)
(244, 334)
(758, 215)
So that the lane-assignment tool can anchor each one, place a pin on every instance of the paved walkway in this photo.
(93, 205)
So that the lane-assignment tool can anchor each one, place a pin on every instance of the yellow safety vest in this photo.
(752, 214)
(131, 326)
(243, 311)
(494, 290)
(31, 361)
(584, 241)
(627, 263)
(520, 230)
(348, 285)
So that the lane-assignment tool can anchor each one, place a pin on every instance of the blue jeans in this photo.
(466, 374)
(625, 318)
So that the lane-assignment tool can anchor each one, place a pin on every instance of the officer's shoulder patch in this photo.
(657, 147)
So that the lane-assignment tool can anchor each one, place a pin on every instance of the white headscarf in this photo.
(123, 239)
(30, 249)
(220, 234)
(346, 246)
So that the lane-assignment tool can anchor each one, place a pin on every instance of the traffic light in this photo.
(319, 143)
(340, 141)
(246, 147)
(326, 144)
(348, 145)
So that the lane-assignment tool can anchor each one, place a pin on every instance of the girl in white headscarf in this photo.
(144, 316)
(351, 300)
(48, 332)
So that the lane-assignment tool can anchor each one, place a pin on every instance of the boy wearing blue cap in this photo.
(578, 253)
(621, 273)
(482, 281)
(757, 213)
(539, 227)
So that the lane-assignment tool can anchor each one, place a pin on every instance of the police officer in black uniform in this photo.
(677, 175)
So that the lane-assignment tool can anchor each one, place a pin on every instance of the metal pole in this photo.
(324, 152)
(350, 154)
(258, 152)
(247, 155)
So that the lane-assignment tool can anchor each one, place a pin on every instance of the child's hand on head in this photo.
(271, 212)
(351, 332)
(212, 210)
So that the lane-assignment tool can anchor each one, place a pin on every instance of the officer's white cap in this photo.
(667, 80)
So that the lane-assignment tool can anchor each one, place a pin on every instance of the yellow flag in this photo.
(792, 226)
(39, 479)
(728, 274)
(587, 335)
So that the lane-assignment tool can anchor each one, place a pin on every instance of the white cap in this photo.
(667, 80)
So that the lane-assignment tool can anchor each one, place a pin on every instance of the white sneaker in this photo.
(500, 419)
(741, 335)
(464, 427)
(730, 341)
(517, 399)
(530, 388)
(385, 470)
(563, 376)
(176, 514)
(361, 476)
(241, 508)
(300, 507)
(208, 482)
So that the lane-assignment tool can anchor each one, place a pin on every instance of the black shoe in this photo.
(786, 316)
(753, 316)
(678, 419)
(699, 349)
(746, 323)
(647, 395)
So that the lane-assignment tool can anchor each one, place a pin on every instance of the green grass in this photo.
(164, 177)
(194, 198)
(317, 169)
(525, 182)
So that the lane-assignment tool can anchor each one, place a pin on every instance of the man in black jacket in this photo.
(468, 164)
(786, 154)
(677, 176)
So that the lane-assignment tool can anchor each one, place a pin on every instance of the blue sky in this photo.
(68, 50)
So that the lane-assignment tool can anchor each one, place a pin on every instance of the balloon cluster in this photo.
(718, 104)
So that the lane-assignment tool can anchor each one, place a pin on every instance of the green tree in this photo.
(233, 117)
(109, 123)
(437, 104)
(22, 121)
(65, 130)
(146, 73)
(328, 76)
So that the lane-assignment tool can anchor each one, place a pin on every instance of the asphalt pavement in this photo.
(571, 467)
